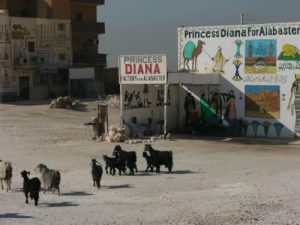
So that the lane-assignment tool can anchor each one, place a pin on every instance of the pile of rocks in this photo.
(120, 133)
(64, 102)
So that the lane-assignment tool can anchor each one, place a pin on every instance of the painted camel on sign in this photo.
(191, 52)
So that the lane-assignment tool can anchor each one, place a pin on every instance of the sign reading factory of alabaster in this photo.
(259, 67)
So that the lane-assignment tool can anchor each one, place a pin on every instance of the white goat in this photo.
(6, 174)
(50, 178)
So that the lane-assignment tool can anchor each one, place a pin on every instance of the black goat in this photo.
(160, 158)
(114, 163)
(96, 172)
(31, 186)
(128, 157)
(150, 162)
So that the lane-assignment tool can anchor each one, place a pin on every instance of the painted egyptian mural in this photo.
(259, 63)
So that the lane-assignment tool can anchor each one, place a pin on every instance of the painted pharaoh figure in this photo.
(294, 102)
(294, 90)
(219, 61)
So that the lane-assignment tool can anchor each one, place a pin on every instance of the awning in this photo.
(190, 78)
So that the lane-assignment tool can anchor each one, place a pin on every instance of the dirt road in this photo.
(214, 182)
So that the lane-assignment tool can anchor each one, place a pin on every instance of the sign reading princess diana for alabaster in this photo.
(143, 69)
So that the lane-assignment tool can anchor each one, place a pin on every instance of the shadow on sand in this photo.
(181, 172)
(59, 204)
(117, 186)
(165, 172)
(144, 173)
(14, 216)
(76, 193)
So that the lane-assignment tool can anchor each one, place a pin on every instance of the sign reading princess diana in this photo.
(143, 69)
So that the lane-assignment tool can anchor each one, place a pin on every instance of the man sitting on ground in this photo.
(150, 128)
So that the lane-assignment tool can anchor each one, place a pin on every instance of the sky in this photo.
(150, 26)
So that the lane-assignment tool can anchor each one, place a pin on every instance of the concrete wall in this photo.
(155, 110)
(89, 12)
(3, 4)
(61, 9)
(83, 41)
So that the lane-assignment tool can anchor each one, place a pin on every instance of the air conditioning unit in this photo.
(3, 12)
(24, 61)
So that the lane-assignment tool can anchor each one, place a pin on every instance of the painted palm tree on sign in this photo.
(266, 125)
(278, 128)
(255, 124)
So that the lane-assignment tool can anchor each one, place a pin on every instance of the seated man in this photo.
(150, 128)
(135, 128)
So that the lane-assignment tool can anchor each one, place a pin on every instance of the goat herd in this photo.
(121, 160)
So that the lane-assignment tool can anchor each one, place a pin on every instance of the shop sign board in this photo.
(143, 69)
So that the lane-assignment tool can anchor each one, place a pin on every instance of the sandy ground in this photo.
(215, 181)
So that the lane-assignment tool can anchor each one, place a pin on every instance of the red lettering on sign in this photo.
(142, 69)
(128, 69)
(156, 69)
(148, 68)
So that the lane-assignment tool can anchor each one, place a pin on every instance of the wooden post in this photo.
(97, 123)
(107, 119)
(121, 104)
(165, 110)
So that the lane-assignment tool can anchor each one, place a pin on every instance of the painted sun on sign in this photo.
(260, 57)
(289, 53)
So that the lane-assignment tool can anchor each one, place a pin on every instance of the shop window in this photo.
(61, 27)
(62, 57)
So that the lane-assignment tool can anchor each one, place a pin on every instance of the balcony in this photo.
(94, 2)
(88, 27)
(90, 59)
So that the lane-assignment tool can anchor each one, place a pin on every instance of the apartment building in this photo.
(41, 39)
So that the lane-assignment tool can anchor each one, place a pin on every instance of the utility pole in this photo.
(242, 18)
